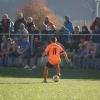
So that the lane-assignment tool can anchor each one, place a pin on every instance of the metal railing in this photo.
(42, 37)
(68, 37)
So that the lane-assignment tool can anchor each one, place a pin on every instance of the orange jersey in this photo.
(54, 50)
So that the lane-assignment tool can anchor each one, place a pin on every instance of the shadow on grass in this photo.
(67, 73)
(25, 83)
(92, 74)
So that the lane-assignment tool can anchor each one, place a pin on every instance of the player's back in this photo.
(53, 50)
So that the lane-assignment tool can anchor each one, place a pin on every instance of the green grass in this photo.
(76, 84)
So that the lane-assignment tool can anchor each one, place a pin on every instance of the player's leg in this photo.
(48, 65)
(45, 74)
(58, 71)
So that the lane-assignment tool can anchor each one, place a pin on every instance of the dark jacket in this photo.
(17, 24)
(95, 23)
(5, 27)
(30, 27)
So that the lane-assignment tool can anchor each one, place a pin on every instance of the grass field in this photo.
(76, 84)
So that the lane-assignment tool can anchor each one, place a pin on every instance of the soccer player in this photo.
(53, 52)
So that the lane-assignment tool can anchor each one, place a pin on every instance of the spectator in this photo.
(13, 54)
(71, 45)
(85, 31)
(7, 25)
(49, 26)
(62, 30)
(32, 29)
(24, 52)
(98, 52)
(96, 30)
(37, 52)
(92, 48)
(76, 37)
(77, 30)
(63, 37)
(83, 49)
(23, 31)
(84, 44)
(30, 26)
(79, 59)
(68, 25)
(37, 33)
(95, 24)
(4, 51)
(0, 33)
(20, 19)
(0, 28)
(97, 61)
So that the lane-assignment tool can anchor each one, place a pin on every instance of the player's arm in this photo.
(63, 53)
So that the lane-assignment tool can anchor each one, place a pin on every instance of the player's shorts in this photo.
(48, 65)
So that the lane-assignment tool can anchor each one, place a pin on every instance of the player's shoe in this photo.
(45, 81)
(27, 67)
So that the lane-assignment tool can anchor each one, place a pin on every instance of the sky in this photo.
(76, 9)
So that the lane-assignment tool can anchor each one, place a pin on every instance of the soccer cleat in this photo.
(45, 81)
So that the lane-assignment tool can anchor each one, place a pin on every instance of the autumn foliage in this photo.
(38, 9)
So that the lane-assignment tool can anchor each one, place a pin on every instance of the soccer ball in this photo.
(55, 78)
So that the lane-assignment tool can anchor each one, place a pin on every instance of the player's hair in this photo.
(53, 39)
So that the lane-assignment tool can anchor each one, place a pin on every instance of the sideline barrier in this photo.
(44, 38)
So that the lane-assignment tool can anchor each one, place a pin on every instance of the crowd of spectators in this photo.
(18, 47)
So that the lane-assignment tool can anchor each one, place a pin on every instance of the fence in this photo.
(16, 60)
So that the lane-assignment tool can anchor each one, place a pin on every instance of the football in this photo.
(55, 78)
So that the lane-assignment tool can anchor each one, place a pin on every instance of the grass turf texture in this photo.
(76, 84)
